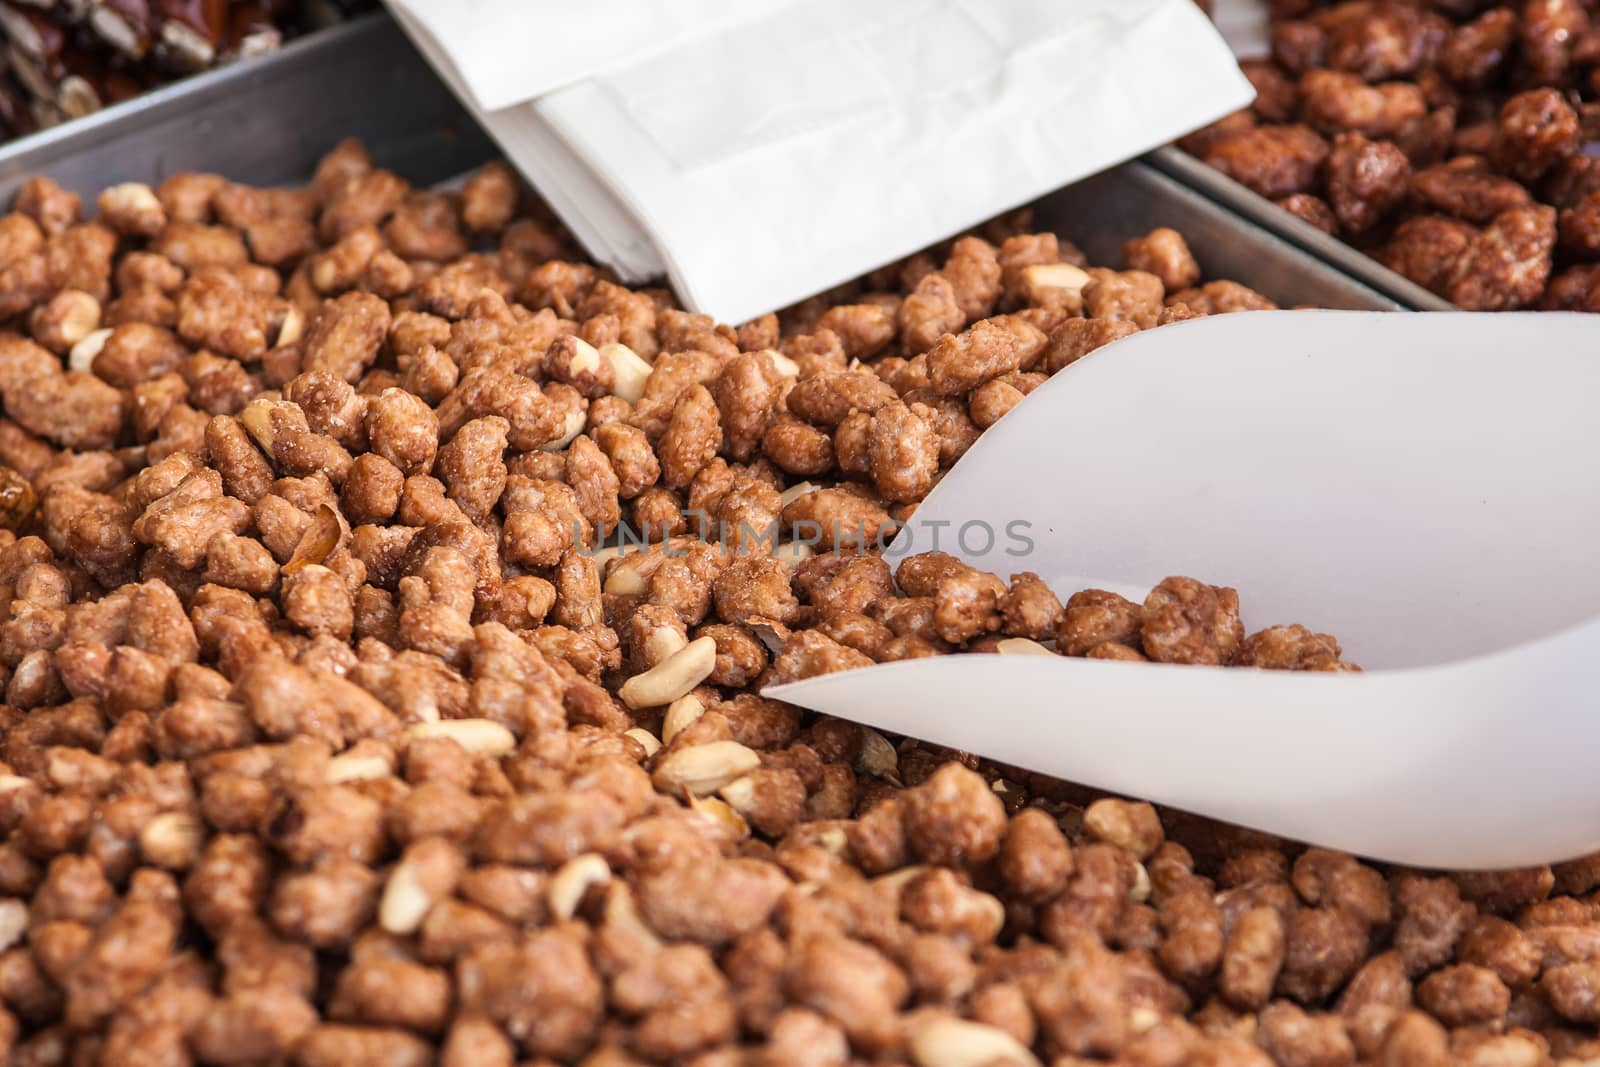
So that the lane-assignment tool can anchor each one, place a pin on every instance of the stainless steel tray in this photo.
(1180, 165)
(266, 122)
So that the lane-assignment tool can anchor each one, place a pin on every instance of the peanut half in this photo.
(703, 769)
(481, 737)
(680, 714)
(575, 878)
(1021, 646)
(81, 358)
(672, 677)
(948, 1042)
(647, 740)
(629, 371)
(172, 840)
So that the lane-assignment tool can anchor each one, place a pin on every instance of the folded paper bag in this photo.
(515, 50)
(1422, 487)
(804, 146)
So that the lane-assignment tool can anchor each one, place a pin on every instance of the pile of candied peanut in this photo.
(331, 738)
(1447, 139)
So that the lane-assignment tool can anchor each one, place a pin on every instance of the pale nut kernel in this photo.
(722, 813)
(79, 315)
(328, 530)
(603, 556)
(292, 327)
(629, 371)
(895, 881)
(626, 579)
(1142, 1019)
(135, 206)
(13, 922)
(792, 553)
(1021, 646)
(834, 841)
(576, 420)
(647, 740)
(81, 356)
(663, 644)
(256, 418)
(424, 709)
(950, 1042)
(8, 782)
(672, 677)
(358, 767)
(1055, 276)
(878, 757)
(994, 913)
(622, 915)
(787, 367)
(406, 900)
(480, 737)
(680, 714)
(1129, 824)
(172, 840)
(740, 794)
(1139, 892)
(798, 490)
(703, 769)
(575, 878)
(585, 359)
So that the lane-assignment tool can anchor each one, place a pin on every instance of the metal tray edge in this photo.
(1189, 171)
(1227, 245)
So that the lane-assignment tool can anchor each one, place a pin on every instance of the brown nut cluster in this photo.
(935, 604)
(1448, 140)
(331, 735)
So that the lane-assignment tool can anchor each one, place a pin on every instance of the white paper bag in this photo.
(515, 50)
(769, 159)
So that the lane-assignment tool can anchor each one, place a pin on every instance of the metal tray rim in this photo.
(1188, 170)
(1311, 280)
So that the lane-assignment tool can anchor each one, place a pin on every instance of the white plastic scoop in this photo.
(1424, 487)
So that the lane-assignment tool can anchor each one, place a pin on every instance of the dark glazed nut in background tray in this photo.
(1454, 143)
(1333, 253)
(1100, 212)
